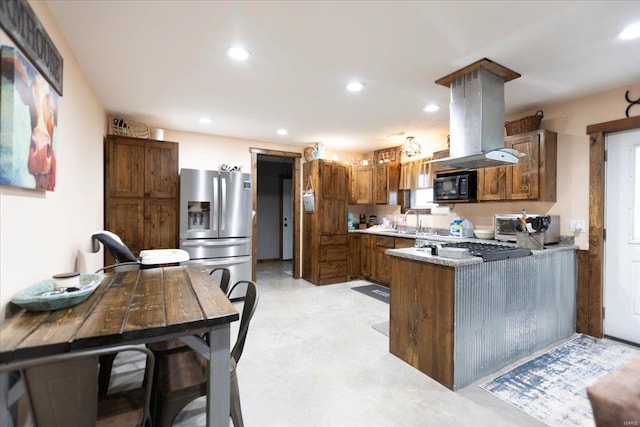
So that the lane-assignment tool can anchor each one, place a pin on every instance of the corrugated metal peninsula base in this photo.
(506, 310)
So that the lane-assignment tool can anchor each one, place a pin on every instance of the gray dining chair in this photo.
(182, 376)
(63, 391)
(222, 275)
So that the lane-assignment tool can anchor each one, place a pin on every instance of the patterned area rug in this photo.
(552, 387)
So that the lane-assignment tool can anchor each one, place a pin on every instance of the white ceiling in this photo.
(163, 62)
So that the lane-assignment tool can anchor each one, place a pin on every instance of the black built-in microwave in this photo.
(456, 187)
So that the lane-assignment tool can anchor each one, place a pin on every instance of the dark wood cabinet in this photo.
(377, 184)
(160, 170)
(141, 193)
(160, 223)
(365, 254)
(124, 216)
(381, 263)
(355, 269)
(386, 180)
(404, 242)
(360, 185)
(422, 317)
(492, 184)
(325, 244)
(374, 264)
(534, 178)
(124, 167)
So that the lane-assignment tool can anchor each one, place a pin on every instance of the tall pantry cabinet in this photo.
(141, 192)
(325, 244)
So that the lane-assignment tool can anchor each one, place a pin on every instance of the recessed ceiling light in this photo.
(431, 108)
(282, 132)
(631, 32)
(238, 53)
(204, 120)
(355, 86)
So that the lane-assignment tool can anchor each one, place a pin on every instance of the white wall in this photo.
(43, 233)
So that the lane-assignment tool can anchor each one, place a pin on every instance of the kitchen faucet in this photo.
(418, 226)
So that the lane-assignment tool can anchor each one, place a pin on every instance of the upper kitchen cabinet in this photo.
(360, 185)
(534, 178)
(492, 184)
(141, 192)
(386, 180)
(377, 184)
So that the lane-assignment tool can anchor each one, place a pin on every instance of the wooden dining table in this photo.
(135, 307)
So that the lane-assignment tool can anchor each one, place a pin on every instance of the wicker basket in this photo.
(525, 124)
(126, 127)
(308, 153)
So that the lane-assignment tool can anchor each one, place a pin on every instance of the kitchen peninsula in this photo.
(458, 320)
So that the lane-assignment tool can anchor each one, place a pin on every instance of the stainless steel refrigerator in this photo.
(216, 220)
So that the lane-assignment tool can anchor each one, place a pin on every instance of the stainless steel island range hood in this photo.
(477, 116)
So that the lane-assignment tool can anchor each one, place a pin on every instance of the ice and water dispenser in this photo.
(199, 214)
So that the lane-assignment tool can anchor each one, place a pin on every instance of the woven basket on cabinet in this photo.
(525, 124)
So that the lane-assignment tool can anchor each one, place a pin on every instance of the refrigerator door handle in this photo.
(215, 242)
(223, 203)
(214, 223)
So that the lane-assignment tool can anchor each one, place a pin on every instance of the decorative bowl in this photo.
(483, 234)
(44, 297)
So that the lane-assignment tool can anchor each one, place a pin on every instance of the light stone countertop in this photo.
(424, 254)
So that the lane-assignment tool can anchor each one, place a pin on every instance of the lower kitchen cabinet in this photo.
(365, 254)
(381, 261)
(404, 242)
(355, 268)
(332, 266)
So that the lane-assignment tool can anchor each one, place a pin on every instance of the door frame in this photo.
(295, 177)
(590, 316)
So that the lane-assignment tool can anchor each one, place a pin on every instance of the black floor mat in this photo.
(376, 291)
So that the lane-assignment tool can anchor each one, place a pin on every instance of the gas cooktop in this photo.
(490, 251)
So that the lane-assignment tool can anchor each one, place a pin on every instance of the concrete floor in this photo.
(312, 358)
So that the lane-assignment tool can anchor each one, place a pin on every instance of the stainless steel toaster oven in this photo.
(505, 230)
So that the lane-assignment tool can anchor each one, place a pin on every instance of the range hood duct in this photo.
(477, 116)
